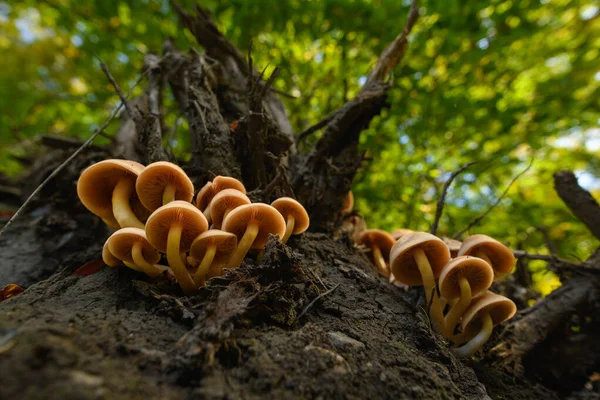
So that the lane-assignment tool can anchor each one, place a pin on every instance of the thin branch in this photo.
(132, 112)
(316, 299)
(71, 157)
(481, 216)
(442, 199)
(581, 203)
(319, 125)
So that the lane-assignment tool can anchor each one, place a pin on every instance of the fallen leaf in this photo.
(89, 268)
(234, 125)
(10, 290)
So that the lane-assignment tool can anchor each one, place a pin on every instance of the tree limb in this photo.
(580, 201)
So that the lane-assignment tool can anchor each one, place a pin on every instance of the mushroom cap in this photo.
(96, 183)
(226, 199)
(478, 273)
(501, 258)
(269, 221)
(160, 222)
(453, 245)
(499, 308)
(288, 206)
(398, 233)
(208, 191)
(225, 243)
(379, 238)
(122, 241)
(151, 184)
(108, 258)
(402, 261)
(348, 204)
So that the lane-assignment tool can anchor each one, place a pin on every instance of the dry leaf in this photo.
(89, 268)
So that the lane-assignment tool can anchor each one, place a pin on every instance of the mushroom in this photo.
(348, 204)
(112, 261)
(222, 204)
(172, 228)
(380, 242)
(485, 312)
(417, 259)
(107, 189)
(252, 224)
(213, 247)
(453, 245)
(297, 220)
(398, 233)
(163, 182)
(492, 251)
(462, 279)
(131, 245)
(206, 194)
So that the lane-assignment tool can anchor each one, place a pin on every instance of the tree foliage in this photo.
(497, 82)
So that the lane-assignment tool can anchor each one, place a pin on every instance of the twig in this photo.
(481, 216)
(442, 200)
(529, 256)
(133, 113)
(319, 125)
(71, 157)
(315, 300)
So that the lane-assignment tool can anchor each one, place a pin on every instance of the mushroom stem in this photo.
(382, 267)
(468, 349)
(140, 261)
(204, 267)
(169, 194)
(289, 228)
(174, 257)
(459, 308)
(431, 296)
(206, 213)
(243, 246)
(132, 266)
(121, 207)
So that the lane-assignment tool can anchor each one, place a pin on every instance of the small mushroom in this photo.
(172, 228)
(208, 191)
(453, 245)
(161, 183)
(213, 247)
(380, 242)
(348, 204)
(222, 204)
(131, 245)
(297, 219)
(112, 261)
(398, 233)
(492, 251)
(107, 188)
(417, 259)
(252, 224)
(462, 279)
(485, 312)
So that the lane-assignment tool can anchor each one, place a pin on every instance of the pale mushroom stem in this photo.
(140, 261)
(380, 261)
(121, 208)
(169, 194)
(174, 257)
(459, 308)
(469, 348)
(206, 213)
(132, 266)
(436, 313)
(243, 246)
(204, 267)
(289, 228)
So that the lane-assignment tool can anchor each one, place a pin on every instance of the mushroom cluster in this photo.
(456, 278)
(152, 211)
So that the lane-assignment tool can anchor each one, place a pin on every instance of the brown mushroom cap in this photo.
(224, 200)
(122, 241)
(225, 243)
(208, 191)
(499, 308)
(348, 204)
(288, 206)
(477, 272)
(501, 258)
(269, 221)
(402, 261)
(108, 258)
(96, 183)
(176, 212)
(398, 233)
(151, 184)
(379, 238)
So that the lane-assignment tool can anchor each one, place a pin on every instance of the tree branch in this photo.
(580, 201)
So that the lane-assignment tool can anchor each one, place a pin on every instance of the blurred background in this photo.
(498, 82)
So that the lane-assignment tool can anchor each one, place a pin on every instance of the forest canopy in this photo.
(504, 84)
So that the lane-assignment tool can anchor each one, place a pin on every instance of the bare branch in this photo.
(580, 201)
